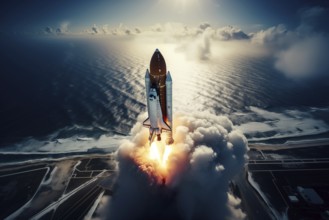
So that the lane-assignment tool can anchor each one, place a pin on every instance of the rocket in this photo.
(158, 85)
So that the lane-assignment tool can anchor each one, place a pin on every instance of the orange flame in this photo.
(161, 157)
(154, 160)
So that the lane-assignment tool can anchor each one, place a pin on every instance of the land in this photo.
(66, 188)
(275, 173)
(72, 186)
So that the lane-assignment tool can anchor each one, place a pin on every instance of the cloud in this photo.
(174, 30)
(49, 30)
(105, 29)
(201, 49)
(230, 33)
(138, 30)
(300, 53)
(312, 13)
(313, 19)
(207, 154)
(198, 48)
(221, 34)
(122, 30)
(95, 29)
(306, 58)
(204, 26)
(157, 28)
(273, 37)
(198, 42)
(305, 44)
(63, 29)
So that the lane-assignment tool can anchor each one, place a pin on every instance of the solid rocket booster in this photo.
(158, 86)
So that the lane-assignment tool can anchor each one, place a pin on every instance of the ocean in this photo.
(64, 94)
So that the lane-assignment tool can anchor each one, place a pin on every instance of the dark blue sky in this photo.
(36, 14)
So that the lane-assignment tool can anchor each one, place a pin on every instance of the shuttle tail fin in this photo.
(165, 126)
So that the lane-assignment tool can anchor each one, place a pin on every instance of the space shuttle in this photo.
(158, 85)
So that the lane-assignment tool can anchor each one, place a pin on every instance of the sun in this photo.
(185, 5)
(180, 6)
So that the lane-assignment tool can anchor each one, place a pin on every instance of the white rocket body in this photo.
(169, 139)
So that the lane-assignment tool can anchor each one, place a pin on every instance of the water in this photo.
(65, 90)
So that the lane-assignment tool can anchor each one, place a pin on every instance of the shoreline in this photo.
(290, 144)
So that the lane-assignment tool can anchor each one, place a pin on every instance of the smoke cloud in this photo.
(230, 33)
(207, 154)
(204, 25)
(273, 37)
(198, 48)
(48, 30)
(305, 59)
(63, 29)
(300, 53)
(95, 29)
(313, 19)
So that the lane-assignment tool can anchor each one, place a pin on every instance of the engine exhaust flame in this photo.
(160, 154)
(154, 152)
(154, 160)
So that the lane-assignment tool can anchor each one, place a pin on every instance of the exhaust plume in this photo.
(194, 184)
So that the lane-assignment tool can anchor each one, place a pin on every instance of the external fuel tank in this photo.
(158, 72)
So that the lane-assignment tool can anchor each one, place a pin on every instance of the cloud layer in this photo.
(299, 53)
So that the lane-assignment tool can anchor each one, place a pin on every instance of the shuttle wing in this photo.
(147, 123)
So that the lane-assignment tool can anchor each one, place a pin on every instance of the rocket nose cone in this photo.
(158, 64)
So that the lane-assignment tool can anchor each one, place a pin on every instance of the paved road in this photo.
(255, 207)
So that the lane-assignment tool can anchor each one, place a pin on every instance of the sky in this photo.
(249, 15)
(293, 33)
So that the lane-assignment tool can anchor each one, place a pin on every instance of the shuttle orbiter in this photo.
(158, 84)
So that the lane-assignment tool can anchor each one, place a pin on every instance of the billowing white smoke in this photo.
(306, 58)
(301, 53)
(198, 48)
(208, 154)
